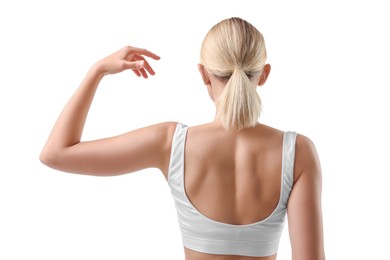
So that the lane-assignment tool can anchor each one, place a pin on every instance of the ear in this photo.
(264, 74)
(204, 74)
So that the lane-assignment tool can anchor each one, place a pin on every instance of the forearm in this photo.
(68, 129)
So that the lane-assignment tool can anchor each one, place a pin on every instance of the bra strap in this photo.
(289, 140)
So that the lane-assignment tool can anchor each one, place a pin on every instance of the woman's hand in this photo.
(125, 59)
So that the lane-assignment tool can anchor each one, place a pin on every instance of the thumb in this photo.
(135, 65)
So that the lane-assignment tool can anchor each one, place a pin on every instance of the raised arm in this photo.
(304, 207)
(139, 149)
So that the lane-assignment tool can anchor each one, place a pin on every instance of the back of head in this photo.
(235, 49)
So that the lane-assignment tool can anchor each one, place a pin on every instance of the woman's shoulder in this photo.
(162, 132)
(163, 128)
(303, 143)
(306, 157)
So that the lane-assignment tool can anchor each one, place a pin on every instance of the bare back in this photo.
(233, 177)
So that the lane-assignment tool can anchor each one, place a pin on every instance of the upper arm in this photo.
(147, 147)
(304, 206)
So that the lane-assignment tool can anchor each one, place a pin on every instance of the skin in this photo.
(243, 189)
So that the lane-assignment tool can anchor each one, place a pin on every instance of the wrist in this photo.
(98, 70)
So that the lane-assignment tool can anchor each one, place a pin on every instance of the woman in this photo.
(233, 180)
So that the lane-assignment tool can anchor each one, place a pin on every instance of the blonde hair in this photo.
(235, 49)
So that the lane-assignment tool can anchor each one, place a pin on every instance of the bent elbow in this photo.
(44, 158)
(49, 159)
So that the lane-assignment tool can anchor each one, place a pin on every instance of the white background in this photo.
(329, 81)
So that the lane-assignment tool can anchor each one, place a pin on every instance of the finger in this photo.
(134, 65)
(143, 73)
(146, 64)
(145, 52)
(140, 66)
(140, 72)
(136, 72)
(148, 68)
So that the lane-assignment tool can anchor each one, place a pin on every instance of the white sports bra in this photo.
(205, 235)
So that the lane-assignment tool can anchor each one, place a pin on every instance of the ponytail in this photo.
(239, 105)
(234, 47)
